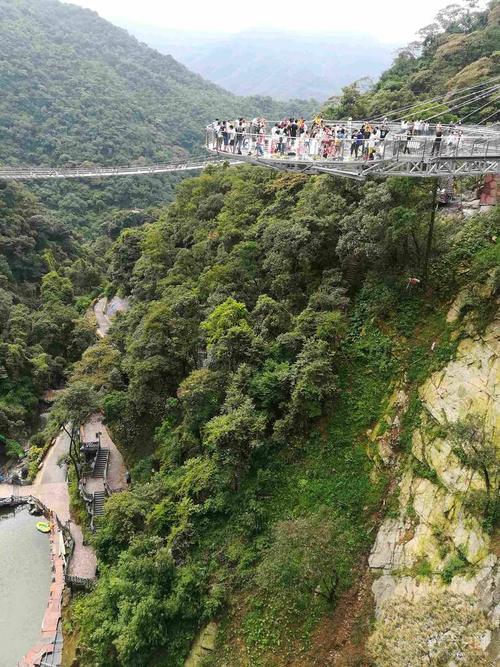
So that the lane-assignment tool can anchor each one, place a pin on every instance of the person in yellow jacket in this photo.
(318, 121)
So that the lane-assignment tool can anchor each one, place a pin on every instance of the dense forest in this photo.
(239, 385)
(271, 318)
(76, 88)
(46, 275)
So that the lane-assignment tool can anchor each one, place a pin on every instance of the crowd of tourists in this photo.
(297, 138)
(412, 129)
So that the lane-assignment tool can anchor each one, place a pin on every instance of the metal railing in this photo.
(21, 173)
(325, 147)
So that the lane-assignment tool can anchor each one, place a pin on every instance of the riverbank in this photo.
(50, 488)
(71, 559)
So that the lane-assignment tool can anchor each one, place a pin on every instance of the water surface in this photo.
(25, 576)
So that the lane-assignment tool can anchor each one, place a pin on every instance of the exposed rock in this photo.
(475, 203)
(387, 551)
(387, 431)
(435, 522)
(388, 586)
(484, 587)
(203, 645)
(469, 384)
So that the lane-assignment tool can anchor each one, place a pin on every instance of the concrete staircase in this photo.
(101, 463)
(98, 503)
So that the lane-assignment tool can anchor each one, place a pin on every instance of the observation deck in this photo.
(330, 148)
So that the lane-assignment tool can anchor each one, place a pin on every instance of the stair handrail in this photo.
(92, 513)
(105, 472)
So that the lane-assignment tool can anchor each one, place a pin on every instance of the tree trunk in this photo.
(74, 459)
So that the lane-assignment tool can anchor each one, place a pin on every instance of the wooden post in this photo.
(430, 233)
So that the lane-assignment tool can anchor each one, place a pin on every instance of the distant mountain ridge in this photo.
(272, 62)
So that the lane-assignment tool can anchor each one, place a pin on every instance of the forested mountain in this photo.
(281, 64)
(274, 346)
(270, 320)
(458, 50)
(270, 323)
(76, 88)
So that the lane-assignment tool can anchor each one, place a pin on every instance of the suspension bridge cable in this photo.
(491, 114)
(434, 99)
(430, 101)
(464, 103)
(484, 105)
(464, 99)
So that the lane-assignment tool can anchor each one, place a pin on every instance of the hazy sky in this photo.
(391, 21)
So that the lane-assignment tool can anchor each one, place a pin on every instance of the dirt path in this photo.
(105, 310)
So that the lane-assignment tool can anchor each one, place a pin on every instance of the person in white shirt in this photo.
(275, 132)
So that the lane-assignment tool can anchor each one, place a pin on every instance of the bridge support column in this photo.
(488, 192)
(430, 233)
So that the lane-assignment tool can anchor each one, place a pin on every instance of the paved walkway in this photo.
(51, 488)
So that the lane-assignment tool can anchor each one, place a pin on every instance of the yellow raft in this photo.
(43, 526)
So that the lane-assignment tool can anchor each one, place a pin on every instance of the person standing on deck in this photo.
(409, 135)
(261, 140)
(281, 141)
(218, 135)
(357, 142)
(294, 127)
(240, 130)
(232, 138)
(436, 146)
(225, 135)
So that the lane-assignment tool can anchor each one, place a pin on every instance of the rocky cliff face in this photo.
(440, 540)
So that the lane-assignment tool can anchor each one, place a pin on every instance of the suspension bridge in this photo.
(57, 173)
(339, 147)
